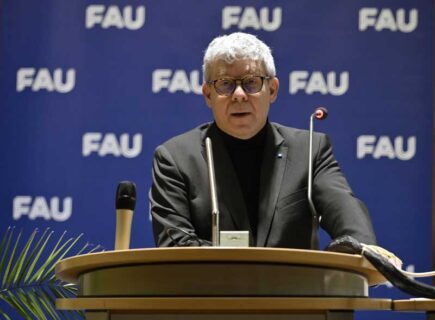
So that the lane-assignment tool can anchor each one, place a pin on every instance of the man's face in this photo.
(240, 115)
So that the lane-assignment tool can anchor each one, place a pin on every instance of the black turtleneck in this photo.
(247, 157)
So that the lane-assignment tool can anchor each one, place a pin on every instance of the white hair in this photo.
(237, 46)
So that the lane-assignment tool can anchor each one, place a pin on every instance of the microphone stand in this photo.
(315, 218)
(213, 195)
(320, 114)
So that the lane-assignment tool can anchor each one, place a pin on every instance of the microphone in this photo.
(125, 204)
(320, 114)
(213, 195)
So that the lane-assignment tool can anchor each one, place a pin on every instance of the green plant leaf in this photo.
(45, 299)
(17, 270)
(4, 247)
(6, 277)
(38, 273)
(66, 250)
(4, 315)
(36, 253)
(25, 298)
(18, 305)
(28, 281)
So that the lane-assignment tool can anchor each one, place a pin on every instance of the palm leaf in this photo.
(16, 304)
(4, 244)
(4, 315)
(62, 251)
(28, 283)
(16, 271)
(8, 235)
(36, 252)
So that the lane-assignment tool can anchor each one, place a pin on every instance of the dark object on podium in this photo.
(347, 244)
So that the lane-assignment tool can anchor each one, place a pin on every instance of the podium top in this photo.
(415, 304)
(71, 268)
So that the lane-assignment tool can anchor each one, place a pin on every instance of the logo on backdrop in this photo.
(105, 144)
(41, 207)
(386, 147)
(318, 82)
(176, 81)
(115, 17)
(249, 17)
(387, 19)
(42, 79)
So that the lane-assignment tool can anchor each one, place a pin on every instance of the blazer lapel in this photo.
(272, 173)
(230, 198)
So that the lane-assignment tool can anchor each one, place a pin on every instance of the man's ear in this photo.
(206, 92)
(273, 89)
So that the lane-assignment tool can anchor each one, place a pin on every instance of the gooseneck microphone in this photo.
(213, 195)
(320, 114)
(125, 204)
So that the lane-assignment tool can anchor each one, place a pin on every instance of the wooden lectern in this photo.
(216, 283)
(416, 305)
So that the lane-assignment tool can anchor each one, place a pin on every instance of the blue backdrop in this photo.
(89, 89)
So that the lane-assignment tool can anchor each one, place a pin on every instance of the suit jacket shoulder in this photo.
(187, 141)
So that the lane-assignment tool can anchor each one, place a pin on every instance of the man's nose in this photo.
(239, 94)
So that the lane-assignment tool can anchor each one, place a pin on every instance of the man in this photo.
(261, 167)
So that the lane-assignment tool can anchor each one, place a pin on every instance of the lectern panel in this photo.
(222, 279)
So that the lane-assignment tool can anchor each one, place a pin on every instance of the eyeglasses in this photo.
(227, 86)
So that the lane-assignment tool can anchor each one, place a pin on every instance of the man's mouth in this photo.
(240, 114)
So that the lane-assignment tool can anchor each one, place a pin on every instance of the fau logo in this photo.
(384, 147)
(113, 17)
(175, 81)
(248, 17)
(385, 19)
(42, 79)
(110, 144)
(317, 82)
(40, 207)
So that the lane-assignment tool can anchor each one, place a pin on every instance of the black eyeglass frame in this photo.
(239, 82)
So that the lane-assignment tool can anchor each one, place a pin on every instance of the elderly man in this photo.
(261, 167)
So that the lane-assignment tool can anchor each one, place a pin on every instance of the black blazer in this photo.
(180, 196)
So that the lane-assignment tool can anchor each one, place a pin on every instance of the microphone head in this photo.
(126, 195)
(321, 113)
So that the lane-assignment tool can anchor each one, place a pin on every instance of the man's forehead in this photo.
(237, 68)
